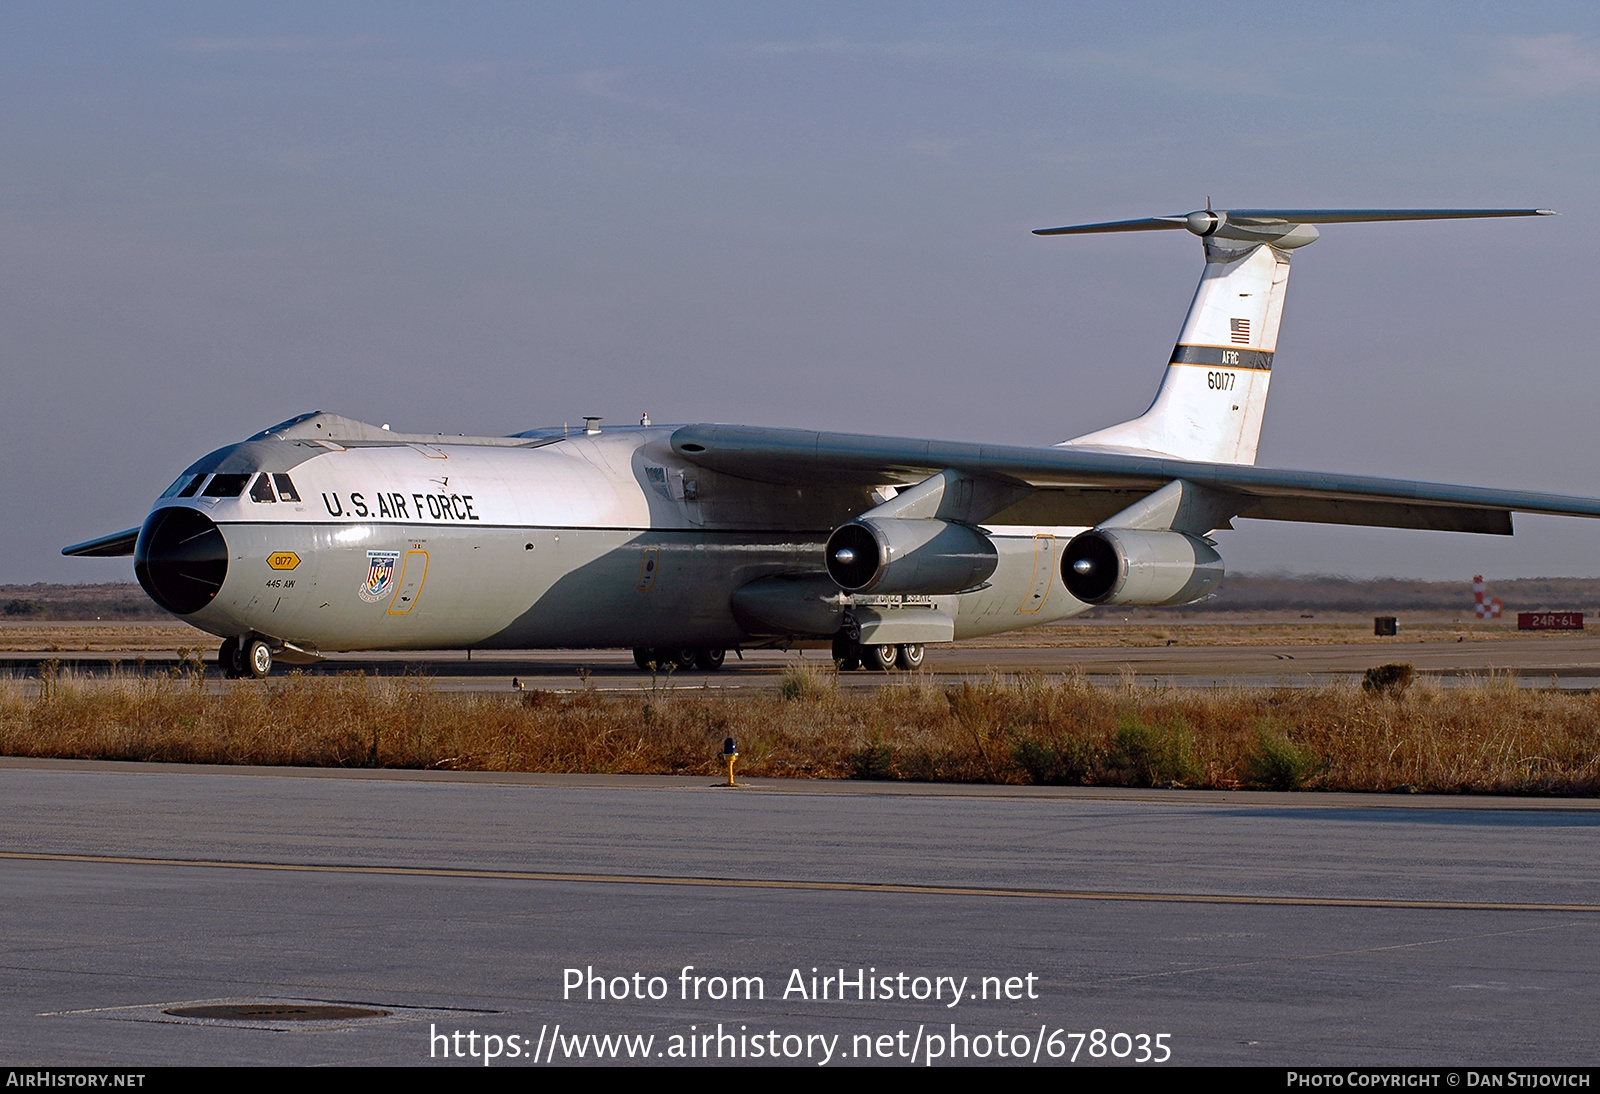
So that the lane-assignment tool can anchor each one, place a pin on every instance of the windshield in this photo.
(177, 488)
(226, 486)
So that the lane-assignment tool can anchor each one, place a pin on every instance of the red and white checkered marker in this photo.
(1489, 609)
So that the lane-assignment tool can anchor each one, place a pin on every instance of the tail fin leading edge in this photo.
(1214, 393)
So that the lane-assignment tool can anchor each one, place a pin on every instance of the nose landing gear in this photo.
(258, 659)
(254, 658)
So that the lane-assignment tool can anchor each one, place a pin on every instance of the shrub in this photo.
(1142, 754)
(1053, 763)
(805, 681)
(1277, 763)
(1389, 680)
(875, 761)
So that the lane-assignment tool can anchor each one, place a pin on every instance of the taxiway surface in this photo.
(1562, 660)
(1251, 928)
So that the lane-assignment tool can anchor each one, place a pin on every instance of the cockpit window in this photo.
(226, 486)
(261, 489)
(193, 488)
(286, 489)
(175, 490)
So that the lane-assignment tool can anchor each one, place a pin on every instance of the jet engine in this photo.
(922, 556)
(181, 558)
(1127, 566)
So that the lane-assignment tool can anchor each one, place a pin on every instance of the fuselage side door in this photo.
(413, 573)
(1045, 560)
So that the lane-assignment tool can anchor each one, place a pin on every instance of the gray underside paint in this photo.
(512, 588)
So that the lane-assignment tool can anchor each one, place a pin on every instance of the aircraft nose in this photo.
(180, 559)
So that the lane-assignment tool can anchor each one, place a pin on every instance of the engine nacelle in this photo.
(921, 557)
(1126, 566)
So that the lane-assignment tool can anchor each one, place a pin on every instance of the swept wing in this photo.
(1078, 487)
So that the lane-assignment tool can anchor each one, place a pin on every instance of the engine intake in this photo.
(921, 557)
(1126, 566)
(180, 558)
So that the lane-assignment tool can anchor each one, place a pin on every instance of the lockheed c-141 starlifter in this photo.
(326, 534)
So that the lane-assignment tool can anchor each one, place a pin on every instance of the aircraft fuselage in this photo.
(590, 540)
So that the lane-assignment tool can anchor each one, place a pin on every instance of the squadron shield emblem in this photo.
(380, 576)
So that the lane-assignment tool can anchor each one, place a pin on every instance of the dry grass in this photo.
(1492, 737)
(110, 636)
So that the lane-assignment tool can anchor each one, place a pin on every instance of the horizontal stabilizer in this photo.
(112, 546)
(1144, 224)
(1262, 224)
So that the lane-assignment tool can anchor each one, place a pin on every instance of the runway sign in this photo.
(1549, 621)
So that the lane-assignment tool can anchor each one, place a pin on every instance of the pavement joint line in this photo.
(1286, 958)
(813, 786)
(795, 884)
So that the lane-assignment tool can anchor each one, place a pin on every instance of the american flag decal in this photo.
(1241, 330)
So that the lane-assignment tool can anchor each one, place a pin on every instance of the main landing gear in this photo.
(689, 657)
(850, 656)
(254, 658)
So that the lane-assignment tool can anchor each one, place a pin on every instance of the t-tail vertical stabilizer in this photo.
(1213, 396)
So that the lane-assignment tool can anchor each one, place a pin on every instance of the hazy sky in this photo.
(483, 218)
